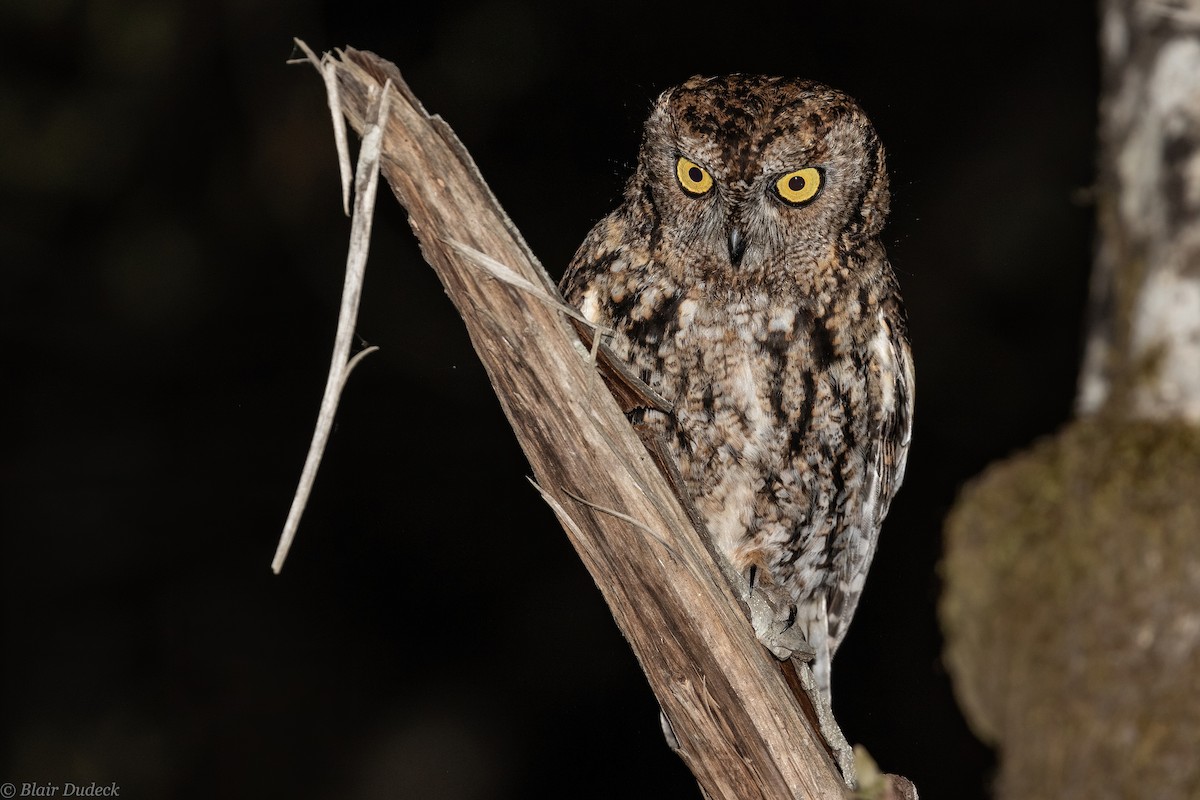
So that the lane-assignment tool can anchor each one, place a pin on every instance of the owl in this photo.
(742, 277)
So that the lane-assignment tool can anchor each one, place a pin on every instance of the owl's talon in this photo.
(784, 639)
(791, 620)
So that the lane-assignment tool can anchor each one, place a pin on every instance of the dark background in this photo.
(172, 249)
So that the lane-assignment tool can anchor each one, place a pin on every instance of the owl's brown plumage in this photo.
(744, 280)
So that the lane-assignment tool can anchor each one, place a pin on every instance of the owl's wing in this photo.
(575, 282)
(886, 461)
(591, 263)
(897, 425)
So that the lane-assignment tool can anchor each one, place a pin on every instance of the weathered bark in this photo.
(1072, 600)
(740, 728)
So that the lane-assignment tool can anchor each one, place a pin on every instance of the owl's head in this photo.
(766, 178)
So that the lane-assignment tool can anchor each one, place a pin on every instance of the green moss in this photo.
(1072, 606)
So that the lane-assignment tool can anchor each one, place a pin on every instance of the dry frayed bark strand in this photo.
(366, 181)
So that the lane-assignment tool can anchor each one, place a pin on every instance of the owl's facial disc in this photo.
(794, 188)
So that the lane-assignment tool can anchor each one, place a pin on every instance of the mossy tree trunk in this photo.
(1072, 599)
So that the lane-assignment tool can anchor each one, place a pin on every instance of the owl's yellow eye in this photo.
(694, 178)
(800, 187)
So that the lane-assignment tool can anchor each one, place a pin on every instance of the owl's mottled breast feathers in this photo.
(774, 326)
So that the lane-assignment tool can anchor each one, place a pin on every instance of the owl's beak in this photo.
(737, 246)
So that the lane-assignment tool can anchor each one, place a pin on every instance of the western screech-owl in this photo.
(744, 280)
